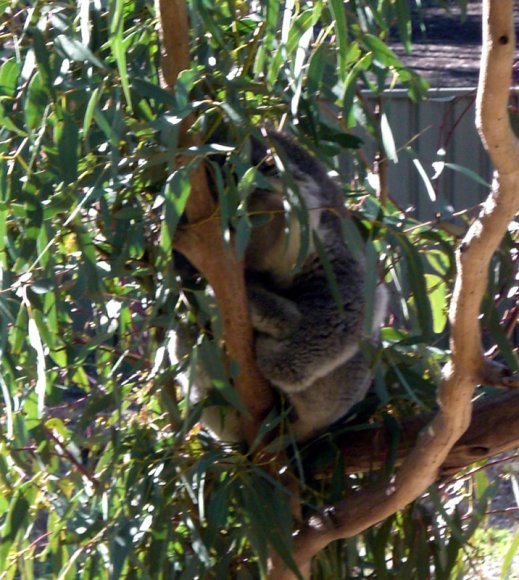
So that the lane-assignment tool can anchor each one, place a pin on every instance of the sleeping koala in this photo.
(307, 345)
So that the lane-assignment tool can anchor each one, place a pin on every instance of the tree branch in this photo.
(494, 429)
(202, 240)
(422, 465)
(492, 121)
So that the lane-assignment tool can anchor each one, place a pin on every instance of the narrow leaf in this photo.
(338, 10)
(76, 51)
(67, 140)
(117, 45)
(41, 382)
(387, 139)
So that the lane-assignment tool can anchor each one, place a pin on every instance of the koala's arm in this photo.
(329, 398)
(272, 314)
(327, 335)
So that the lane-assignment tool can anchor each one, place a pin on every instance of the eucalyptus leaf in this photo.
(9, 72)
(77, 51)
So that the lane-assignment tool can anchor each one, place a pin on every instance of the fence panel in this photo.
(445, 121)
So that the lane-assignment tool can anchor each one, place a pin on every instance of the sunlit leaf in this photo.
(41, 380)
(117, 44)
(339, 12)
(9, 72)
(508, 560)
(77, 51)
(437, 290)
(387, 139)
(176, 194)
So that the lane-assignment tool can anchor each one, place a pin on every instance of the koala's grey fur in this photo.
(306, 345)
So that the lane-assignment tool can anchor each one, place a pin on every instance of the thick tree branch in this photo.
(498, 46)
(494, 429)
(422, 466)
(202, 240)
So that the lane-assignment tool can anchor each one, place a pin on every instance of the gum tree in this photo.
(111, 118)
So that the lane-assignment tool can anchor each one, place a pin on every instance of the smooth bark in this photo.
(202, 240)
(494, 429)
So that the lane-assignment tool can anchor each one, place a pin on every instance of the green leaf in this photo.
(242, 236)
(387, 139)
(404, 23)
(176, 194)
(43, 60)
(437, 290)
(9, 72)
(328, 270)
(269, 518)
(211, 359)
(316, 69)
(43, 286)
(76, 51)
(217, 511)
(350, 89)
(152, 91)
(101, 120)
(296, 34)
(408, 385)
(88, 265)
(120, 547)
(8, 409)
(7, 123)
(370, 287)
(36, 103)
(89, 112)
(66, 136)
(423, 174)
(381, 52)
(417, 282)
(508, 560)
(118, 46)
(197, 542)
(492, 322)
(338, 10)
(184, 85)
(468, 173)
(15, 518)
(19, 332)
(37, 344)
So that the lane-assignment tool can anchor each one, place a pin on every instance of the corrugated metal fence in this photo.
(444, 121)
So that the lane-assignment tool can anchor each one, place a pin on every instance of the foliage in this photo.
(102, 469)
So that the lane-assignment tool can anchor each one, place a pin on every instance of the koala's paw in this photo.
(271, 314)
(277, 364)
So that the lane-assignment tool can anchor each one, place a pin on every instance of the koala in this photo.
(307, 344)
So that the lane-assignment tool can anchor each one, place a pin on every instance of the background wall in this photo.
(444, 121)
